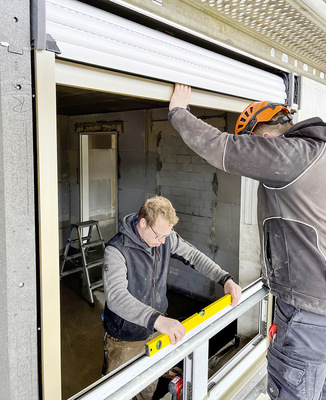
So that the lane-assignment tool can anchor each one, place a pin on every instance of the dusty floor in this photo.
(81, 338)
(82, 333)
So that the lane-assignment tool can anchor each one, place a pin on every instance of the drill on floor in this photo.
(175, 387)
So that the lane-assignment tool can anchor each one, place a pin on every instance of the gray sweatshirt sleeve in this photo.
(117, 297)
(274, 161)
(188, 253)
(202, 138)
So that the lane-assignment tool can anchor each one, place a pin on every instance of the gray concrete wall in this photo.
(207, 202)
(153, 159)
(18, 327)
(67, 180)
(136, 166)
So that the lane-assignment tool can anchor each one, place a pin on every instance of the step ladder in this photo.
(84, 237)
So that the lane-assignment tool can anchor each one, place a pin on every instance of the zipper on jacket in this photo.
(153, 286)
(156, 253)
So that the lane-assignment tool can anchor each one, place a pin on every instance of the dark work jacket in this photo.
(141, 263)
(291, 170)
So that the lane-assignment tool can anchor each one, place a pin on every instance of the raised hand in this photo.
(180, 97)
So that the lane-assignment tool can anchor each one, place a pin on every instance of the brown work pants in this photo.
(118, 353)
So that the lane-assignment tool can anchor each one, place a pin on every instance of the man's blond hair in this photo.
(158, 206)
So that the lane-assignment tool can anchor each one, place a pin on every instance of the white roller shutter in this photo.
(89, 35)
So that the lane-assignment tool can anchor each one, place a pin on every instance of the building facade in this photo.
(84, 86)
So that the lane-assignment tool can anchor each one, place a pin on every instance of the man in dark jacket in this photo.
(289, 161)
(135, 271)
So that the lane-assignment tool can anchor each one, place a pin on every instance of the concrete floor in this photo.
(82, 333)
(81, 338)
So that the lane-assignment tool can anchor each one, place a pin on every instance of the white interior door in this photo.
(98, 179)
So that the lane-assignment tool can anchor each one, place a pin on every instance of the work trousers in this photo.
(297, 355)
(118, 352)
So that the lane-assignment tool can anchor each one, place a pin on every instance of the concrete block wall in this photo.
(154, 159)
(187, 180)
(206, 215)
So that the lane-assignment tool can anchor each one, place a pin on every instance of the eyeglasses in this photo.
(157, 236)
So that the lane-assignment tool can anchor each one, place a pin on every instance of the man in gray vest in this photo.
(136, 262)
(289, 161)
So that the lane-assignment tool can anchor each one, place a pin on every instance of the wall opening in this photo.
(98, 175)
(150, 158)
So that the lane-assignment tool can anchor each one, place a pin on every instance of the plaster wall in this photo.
(312, 100)
(249, 271)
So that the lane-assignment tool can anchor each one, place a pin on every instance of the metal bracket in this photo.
(263, 316)
(292, 84)
(295, 89)
(11, 49)
(189, 391)
(51, 44)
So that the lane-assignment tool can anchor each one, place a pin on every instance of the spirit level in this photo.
(161, 341)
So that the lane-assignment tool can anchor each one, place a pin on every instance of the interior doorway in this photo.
(98, 179)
